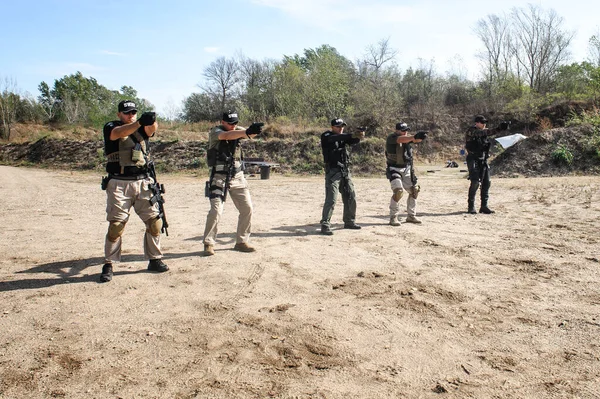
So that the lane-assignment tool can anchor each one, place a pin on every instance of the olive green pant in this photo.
(334, 183)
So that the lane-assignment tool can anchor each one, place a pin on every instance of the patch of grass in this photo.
(591, 117)
(562, 155)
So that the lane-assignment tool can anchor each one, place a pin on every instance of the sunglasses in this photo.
(130, 112)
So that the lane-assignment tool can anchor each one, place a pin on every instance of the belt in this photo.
(129, 177)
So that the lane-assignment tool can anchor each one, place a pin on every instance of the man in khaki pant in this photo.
(128, 184)
(224, 157)
(400, 172)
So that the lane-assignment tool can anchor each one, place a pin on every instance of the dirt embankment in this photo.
(560, 151)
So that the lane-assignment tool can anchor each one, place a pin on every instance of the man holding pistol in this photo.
(334, 144)
(128, 184)
(478, 144)
(400, 171)
(224, 157)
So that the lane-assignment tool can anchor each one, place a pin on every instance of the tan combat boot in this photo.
(243, 247)
(413, 219)
(209, 250)
(394, 221)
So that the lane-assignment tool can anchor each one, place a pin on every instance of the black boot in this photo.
(485, 209)
(472, 207)
(157, 265)
(107, 273)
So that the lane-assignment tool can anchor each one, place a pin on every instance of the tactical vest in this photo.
(223, 153)
(397, 155)
(132, 151)
(335, 153)
(477, 144)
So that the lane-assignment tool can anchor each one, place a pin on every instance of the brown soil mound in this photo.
(534, 155)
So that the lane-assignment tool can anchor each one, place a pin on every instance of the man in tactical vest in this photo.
(224, 157)
(334, 144)
(478, 144)
(127, 185)
(400, 171)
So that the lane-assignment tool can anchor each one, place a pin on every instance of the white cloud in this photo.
(108, 52)
(211, 49)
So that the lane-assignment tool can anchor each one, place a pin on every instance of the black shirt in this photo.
(111, 146)
(334, 148)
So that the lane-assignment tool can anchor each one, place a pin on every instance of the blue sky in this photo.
(161, 47)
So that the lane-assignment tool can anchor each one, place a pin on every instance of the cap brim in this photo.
(129, 109)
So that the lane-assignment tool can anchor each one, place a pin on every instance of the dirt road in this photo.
(479, 306)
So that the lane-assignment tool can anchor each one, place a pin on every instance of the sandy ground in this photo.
(462, 306)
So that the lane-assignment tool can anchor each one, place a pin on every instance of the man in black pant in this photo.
(334, 144)
(478, 146)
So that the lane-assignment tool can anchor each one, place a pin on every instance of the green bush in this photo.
(562, 155)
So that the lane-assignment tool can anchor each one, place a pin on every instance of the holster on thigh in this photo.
(414, 191)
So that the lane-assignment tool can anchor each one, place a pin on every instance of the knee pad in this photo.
(398, 192)
(154, 227)
(115, 230)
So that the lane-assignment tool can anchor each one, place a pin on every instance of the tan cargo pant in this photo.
(403, 183)
(121, 195)
(240, 195)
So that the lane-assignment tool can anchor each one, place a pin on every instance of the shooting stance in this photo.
(224, 157)
(478, 146)
(129, 184)
(400, 171)
(334, 144)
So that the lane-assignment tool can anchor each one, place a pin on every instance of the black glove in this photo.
(255, 128)
(147, 118)
(504, 125)
(422, 135)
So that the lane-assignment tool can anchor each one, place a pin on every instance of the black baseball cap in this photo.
(480, 119)
(230, 117)
(338, 122)
(402, 126)
(127, 106)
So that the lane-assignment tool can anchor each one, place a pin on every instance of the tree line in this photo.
(524, 59)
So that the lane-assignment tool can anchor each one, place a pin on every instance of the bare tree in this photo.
(74, 109)
(222, 75)
(594, 49)
(380, 54)
(541, 46)
(9, 102)
(257, 78)
(172, 112)
(377, 91)
(494, 32)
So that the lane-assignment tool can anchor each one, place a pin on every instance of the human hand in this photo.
(421, 135)
(147, 118)
(255, 128)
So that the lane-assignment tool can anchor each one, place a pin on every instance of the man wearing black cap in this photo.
(224, 157)
(400, 171)
(126, 143)
(478, 146)
(334, 144)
